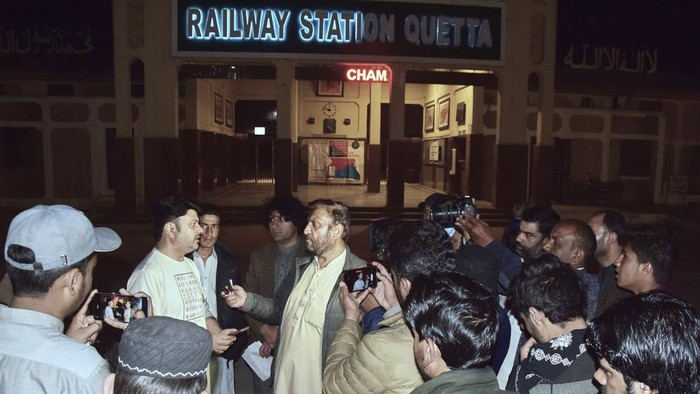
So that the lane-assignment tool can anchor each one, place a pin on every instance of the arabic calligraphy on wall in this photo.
(45, 41)
(612, 58)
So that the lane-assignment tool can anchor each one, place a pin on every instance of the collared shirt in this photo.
(299, 357)
(35, 356)
(207, 273)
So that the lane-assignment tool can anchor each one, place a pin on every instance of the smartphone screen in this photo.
(116, 306)
(360, 278)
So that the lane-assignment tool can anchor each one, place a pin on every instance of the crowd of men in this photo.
(561, 306)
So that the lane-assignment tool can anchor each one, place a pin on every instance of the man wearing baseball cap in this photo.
(51, 253)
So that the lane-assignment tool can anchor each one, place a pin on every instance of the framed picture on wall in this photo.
(218, 109)
(461, 113)
(429, 118)
(330, 88)
(444, 114)
(229, 113)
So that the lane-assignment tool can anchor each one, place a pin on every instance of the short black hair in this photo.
(33, 283)
(209, 209)
(458, 314)
(432, 200)
(167, 209)
(545, 217)
(420, 247)
(129, 383)
(615, 222)
(290, 208)
(652, 338)
(654, 244)
(547, 284)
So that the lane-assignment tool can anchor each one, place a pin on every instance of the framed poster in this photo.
(338, 161)
(444, 114)
(229, 113)
(330, 88)
(218, 109)
(461, 113)
(429, 118)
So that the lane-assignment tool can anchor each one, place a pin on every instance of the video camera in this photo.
(447, 212)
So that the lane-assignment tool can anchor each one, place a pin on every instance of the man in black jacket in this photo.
(218, 268)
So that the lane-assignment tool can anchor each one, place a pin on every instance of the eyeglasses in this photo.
(205, 227)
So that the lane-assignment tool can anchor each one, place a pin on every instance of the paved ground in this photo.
(114, 268)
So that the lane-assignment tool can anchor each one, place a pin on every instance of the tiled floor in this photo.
(251, 194)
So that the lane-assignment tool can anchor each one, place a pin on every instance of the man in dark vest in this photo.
(219, 268)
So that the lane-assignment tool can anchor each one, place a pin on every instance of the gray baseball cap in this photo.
(58, 235)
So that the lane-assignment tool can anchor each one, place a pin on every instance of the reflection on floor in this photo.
(251, 194)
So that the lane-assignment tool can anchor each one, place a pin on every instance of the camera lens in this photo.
(447, 213)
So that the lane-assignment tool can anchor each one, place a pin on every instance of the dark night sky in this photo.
(57, 24)
(670, 27)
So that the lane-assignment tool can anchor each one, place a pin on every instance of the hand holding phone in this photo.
(84, 327)
(240, 330)
(385, 293)
(351, 301)
(117, 307)
(359, 279)
(225, 338)
(235, 296)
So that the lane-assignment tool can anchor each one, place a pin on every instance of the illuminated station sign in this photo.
(371, 73)
(341, 28)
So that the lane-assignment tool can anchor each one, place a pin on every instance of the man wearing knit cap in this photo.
(161, 354)
(50, 255)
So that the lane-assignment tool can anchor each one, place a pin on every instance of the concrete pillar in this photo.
(542, 174)
(294, 131)
(125, 182)
(161, 79)
(125, 192)
(190, 142)
(397, 145)
(161, 148)
(222, 159)
(160, 169)
(511, 139)
(208, 160)
(283, 144)
(542, 162)
(474, 156)
(542, 185)
(374, 155)
(475, 168)
(660, 162)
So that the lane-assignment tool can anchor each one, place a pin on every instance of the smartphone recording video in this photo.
(116, 306)
(360, 278)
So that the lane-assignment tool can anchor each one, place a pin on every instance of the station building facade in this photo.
(467, 97)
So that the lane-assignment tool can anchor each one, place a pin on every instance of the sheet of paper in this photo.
(260, 365)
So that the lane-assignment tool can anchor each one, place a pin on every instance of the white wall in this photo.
(203, 106)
